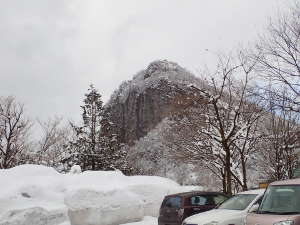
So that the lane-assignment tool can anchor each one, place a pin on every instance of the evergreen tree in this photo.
(94, 147)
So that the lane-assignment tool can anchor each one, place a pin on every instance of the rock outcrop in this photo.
(152, 95)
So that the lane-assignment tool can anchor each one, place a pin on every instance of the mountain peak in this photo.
(153, 94)
(160, 66)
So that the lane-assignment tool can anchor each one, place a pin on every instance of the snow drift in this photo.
(115, 199)
(32, 194)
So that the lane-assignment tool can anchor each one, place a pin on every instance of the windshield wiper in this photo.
(278, 213)
(289, 213)
(267, 212)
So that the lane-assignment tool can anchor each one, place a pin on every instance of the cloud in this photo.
(51, 50)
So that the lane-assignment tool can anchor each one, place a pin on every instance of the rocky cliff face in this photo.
(141, 110)
(152, 95)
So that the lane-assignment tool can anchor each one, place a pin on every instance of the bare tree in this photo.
(221, 131)
(281, 140)
(51, 146)
(278, 54)
(14, 130)
(248, 140)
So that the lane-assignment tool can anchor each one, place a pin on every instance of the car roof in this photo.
(287, 182)
(255, 191)
(192, 193)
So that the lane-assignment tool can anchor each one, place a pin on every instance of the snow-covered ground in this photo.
(148, 220)
(39, 195)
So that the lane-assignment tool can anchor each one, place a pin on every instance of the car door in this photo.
(169, 210)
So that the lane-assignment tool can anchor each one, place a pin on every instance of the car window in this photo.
(172, 202)
(282, 199)
(200, 200)
(219, 199)
(238, 202)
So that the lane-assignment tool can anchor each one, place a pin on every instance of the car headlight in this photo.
(216, 223)
(285, 222)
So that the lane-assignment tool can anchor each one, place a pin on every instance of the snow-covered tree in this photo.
(220, 130)
(14, 131)
(49, 150)
(278, 53)
(156, 159)
(92, 148)
(281, 139)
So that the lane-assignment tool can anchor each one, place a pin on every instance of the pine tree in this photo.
(94, 147)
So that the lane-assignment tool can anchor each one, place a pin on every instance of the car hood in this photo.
(270, 219)
(214, 215)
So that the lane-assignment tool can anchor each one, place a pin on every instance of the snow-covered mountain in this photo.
(138, 105)
(141, 110)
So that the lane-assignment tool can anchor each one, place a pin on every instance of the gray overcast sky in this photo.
(51, 50)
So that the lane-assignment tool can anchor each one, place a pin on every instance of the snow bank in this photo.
(115, 199)
(32, 194)
(35, 215)
(146, 221)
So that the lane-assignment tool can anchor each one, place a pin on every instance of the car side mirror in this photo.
(254, 208)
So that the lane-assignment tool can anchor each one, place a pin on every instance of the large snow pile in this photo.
(39, 195)
(32, 195)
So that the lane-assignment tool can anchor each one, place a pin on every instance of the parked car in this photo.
(175, 208)
(280, 205)
(232, 211)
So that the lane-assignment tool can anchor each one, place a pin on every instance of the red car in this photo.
(175, 208)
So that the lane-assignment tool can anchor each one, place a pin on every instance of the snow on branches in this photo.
(221, 131)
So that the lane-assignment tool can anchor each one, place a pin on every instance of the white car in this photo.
(233, 211)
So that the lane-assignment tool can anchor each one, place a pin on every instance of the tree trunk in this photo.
(224, 183)
(228, 174)
(244, 172)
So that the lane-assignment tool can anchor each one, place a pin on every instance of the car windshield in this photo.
(238, 202)
(282, 200)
